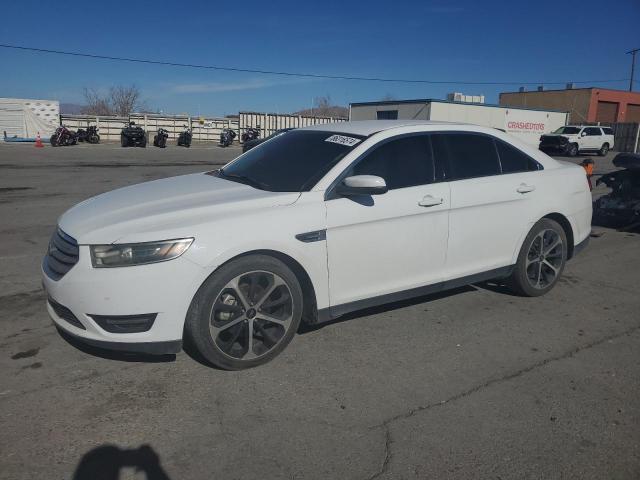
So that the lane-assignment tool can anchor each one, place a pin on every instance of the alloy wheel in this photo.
(544, 259)
(251, 315)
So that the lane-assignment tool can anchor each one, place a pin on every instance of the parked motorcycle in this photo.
(184, 139)
(133, 136)
(226, 137)
(250, 134)
(621, 207)
(90, 135)
(160, 139)
(63, 136)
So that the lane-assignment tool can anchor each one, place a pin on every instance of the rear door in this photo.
(396, 241)
(493, 190)
(593, 138)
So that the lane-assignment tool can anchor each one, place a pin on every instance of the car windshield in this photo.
(291, 162)
(568, 130)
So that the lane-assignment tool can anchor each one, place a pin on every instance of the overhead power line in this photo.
(298, 74)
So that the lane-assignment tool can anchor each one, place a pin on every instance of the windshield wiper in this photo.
(244, 179)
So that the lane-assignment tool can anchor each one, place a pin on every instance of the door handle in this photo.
(524, 188)
(430, 201)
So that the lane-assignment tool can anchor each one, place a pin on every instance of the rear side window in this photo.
(404, 162)
(592, 131)
(608, 131)
(513, 160)
(471, 155)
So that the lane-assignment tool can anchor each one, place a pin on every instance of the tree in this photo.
(120, 100)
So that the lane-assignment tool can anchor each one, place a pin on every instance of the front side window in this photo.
(513, 160)
(471, 155)
(404, 162)
(293, 161)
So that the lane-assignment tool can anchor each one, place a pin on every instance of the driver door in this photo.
(389, 243)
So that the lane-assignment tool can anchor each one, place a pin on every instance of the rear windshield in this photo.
(291, 162)
(568, 130)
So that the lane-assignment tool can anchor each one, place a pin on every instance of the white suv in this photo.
(573, 139)
(308, 226)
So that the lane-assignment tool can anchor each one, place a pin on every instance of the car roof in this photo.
(369, 127)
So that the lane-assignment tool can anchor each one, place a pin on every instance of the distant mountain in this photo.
(71, 108)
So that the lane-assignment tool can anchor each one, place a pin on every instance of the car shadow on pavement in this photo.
(106, 462)
(306, 328)
(114, 354)
(497, 286)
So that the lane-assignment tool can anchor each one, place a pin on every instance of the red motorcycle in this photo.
(63, 136)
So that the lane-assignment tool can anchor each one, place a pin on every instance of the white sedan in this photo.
(308, 226)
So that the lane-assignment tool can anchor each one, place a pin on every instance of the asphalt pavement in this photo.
(472, 383)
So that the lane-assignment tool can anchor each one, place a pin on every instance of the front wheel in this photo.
(572, 151)
(541, 260)
(245, 313)
(53, 141)
(124, 141)
(603, 150)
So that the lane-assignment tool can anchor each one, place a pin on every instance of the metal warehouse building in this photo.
(584, 104)
(526, 123)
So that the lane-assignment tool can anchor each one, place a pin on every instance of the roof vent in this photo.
(570, 86)
(541, 88)
(522, 89)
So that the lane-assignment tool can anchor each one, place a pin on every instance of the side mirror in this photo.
(583, 133)
(362, 185)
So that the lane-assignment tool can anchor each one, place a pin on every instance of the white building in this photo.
(526, 123)
(25, 118)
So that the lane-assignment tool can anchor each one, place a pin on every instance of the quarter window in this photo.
(608, 131)
(513, 160)
(404, 162)
(471, 155)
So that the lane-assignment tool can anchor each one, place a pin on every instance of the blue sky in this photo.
(439, 40)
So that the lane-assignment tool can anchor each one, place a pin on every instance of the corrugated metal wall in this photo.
(268, 123)
(204, 129)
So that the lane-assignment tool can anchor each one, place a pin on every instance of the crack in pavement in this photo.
(505, 378)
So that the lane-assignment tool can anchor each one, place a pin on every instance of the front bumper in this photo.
(556, 149)
(165, 289)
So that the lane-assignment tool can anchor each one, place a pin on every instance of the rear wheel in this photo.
(603, 150)
(541, 260)
(245, 313)
(572, 151)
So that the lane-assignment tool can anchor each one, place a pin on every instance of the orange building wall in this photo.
(616, 96)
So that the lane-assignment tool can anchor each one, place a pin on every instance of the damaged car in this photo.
(621, 207)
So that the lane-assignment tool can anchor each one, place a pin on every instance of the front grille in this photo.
(125, 323)
(66, 314)
(61, 256)
(553, 141)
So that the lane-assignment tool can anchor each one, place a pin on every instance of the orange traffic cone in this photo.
(39, 141)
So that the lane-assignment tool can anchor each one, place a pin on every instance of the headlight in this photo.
(124, 255)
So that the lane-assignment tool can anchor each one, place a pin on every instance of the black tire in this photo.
(53, 141)
(573, 150)
(215, 291)
(521, 281)
(603, 150)
(94, 139)
(124, 141)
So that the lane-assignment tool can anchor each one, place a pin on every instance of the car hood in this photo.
(168, 208)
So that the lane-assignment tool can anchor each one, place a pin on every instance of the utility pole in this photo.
(633, 66)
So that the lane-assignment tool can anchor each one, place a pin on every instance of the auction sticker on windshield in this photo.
(342, 140)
